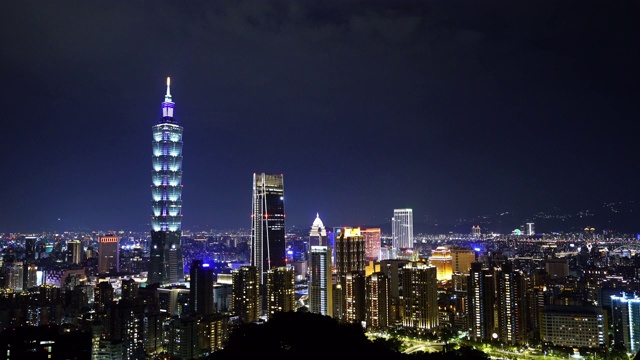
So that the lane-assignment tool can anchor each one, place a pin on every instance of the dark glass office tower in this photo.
(267, 224)
(201, 280)
(165, 265)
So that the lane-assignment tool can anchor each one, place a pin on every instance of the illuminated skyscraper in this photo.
(441, 259)
(377, 301)
(246, 294)
(402, 229)
(420, 296)
(626, 327)
(350, 266)
(318, 233)
(320, 281)
(267, 224)
(481, 298)
(510, 305)
(531, 230)
(372, 241)
(108, 254)
(165, 265)
(281, 295)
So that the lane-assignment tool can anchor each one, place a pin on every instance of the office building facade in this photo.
(574, 326)
(480, 303)
(246, 294)
(201, 280)
(511, 306)
(402, 230)
(350, 272)
(420, 297)
(281, 295)
(268, 248)
(372, 243)
(626, 322)
(378, 293)
(108, 254)
(320, 288)
(74, 252)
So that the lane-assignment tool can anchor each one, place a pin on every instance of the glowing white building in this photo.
(402, 229)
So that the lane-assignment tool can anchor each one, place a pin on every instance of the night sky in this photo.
(452, 108)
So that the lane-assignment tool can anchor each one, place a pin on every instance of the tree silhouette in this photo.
(292, 334)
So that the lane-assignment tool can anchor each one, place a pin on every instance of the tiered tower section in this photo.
(166, 191)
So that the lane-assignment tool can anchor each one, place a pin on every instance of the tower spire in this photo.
(167, 104)
(167, 97)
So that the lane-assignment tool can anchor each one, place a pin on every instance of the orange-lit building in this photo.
(441, 259)
(108, 254)
(461, 259)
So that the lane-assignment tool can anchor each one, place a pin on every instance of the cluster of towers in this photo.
(339, 284)
(267, 217)
(350, 277)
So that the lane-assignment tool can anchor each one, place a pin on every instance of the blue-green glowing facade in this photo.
(166, 264)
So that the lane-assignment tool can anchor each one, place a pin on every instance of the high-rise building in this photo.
(281, 295)
(30, 276)
(124, 323)
(377, 301)
(201, 281)
(318, 233)
(461, 259)
(355, 297)
(74, 252)
(108, 254)
(166, 263)
(511, 306)
(246, 293)
(626, 328)
(183, 338)
(317, 237)
(531, 230)
(267, 227)
(393, 269)
(30, 248)
(480, 302)
(442, 260)
(349, 250)
(103, 296)
(320, 289)
(15, 279)
(372, 242)
(350, 265)
(420, 295)
(402, 229)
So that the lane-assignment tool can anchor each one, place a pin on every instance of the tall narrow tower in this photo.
(267, 224)
(320, 281)
(165, 265)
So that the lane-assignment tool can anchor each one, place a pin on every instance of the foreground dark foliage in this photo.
(296, 335)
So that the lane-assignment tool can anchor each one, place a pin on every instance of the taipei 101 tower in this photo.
(165, 265)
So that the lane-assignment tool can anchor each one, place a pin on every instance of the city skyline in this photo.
(450, 109)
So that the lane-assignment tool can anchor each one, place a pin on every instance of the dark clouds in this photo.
(450, 107)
